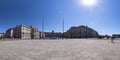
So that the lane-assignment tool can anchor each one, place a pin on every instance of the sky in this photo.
(104, 17)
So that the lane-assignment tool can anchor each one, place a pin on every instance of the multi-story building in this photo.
(9, 33)
(1, 35)
(80, 32)
(30, 32)
(116, 35)
(35, 34)
(53, 35)
(22, 32)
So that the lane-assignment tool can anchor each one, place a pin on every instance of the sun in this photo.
(88, 2)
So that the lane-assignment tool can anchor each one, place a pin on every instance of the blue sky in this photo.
(104, 17)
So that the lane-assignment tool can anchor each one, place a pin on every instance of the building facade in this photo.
(80, 32)
(35, 34)
(2, 35)
(9, 33)
(22, 32)
(116, 35)
(53, 35)
(30, 32)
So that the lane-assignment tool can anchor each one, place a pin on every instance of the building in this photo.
(22, 32)
(80, 32)
(30, 32)
(2, 35)
(53, 35)
(35, 34)
(9, 33)
(116, 35)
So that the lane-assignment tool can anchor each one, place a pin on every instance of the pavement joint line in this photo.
(104, 49)
(94, 49)
(101, 49)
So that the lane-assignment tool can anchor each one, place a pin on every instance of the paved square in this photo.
(70, 49)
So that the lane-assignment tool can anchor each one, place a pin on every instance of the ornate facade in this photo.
(23, 32)
(53, 35)
(80, 32)
(2, 35)
(35, 34)
(9, 33)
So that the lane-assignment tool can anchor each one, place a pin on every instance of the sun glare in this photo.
(88, 2)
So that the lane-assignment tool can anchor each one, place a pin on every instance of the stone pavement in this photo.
(70, 49)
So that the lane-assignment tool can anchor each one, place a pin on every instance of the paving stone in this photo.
(67, 49)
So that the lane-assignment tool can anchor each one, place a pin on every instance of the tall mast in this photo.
(43, 25)
(63, 28)
(42, 33)
(63, 25)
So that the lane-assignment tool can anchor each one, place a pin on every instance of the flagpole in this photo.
(63, 28)
(42, 34)
(86, 32)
